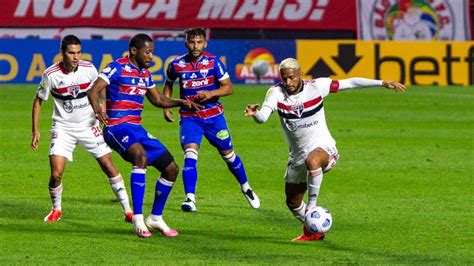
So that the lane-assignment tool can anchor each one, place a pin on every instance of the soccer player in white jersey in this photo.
(74, 122)
(299, 104)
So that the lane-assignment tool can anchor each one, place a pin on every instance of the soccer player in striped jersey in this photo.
(74, 123)
(127, 80)
(203, 78)
(313, 152)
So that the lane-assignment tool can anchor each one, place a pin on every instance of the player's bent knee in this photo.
(166, 165)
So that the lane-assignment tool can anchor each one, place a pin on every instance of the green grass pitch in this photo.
(401, 193)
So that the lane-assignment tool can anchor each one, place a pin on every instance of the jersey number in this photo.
(97, 131)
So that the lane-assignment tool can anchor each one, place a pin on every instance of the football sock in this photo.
(118, 187)
(56, 196)
(190, 171)
(137, 185)
(159, 218)
(299, 212)
(236, 166)
(191, 196)
(315, 178)
(162, 191)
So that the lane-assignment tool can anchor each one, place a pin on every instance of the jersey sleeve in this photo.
(268, 106)
(220, 70)
(150, 81)
(325, 85)
(44, 87)
(171, 74)
(110, 73)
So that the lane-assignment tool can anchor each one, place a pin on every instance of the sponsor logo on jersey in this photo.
(197, 83)
(125, 139)
(67, 105)
(111, 72)
(293, 126)
(181, 63)
(193, 76)
(223, 134)
(205, 62)
(141, 83)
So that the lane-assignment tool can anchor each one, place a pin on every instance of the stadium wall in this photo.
(413, 63)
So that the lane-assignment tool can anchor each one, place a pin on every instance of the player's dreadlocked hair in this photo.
(189, 33)
(138, 41)
(68, 40)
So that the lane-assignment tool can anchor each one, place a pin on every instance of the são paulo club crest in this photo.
(412, 20)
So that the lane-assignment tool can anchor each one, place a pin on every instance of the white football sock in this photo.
(56, 196)
(315, 178)
(191, 196)
(118, 187)
(299, 212)
(245, 186)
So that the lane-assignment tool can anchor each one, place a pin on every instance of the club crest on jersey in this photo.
(204, 72)
(74, 91)
(297, 109)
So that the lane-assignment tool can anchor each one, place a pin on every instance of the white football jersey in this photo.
(302, 116)
(69, 92)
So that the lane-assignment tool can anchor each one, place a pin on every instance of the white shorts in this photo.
(64, 141)
(298, 173)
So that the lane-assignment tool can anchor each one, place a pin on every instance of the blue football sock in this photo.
(137, 185)
(190, 175)
(162, 191)
(236, 166)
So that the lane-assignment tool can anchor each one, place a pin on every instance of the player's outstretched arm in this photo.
(167, 92)
(94, 94)
(35, 116)
(260, 116)
(356, 83)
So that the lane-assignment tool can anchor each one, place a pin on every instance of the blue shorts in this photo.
(214, 129)
(121, 137)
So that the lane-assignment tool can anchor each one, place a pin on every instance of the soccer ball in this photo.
(260, 67)
(318, 220)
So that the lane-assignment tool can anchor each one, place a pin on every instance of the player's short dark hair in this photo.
(138, 41)
(190, 33)
(68, 40)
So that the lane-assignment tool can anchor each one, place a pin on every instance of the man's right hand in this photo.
(102, 117)
(35, 140)
(251, 109)
(168, 114)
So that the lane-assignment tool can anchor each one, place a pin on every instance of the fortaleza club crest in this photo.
(412, 20)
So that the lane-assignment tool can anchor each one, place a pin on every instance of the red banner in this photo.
(231, 14)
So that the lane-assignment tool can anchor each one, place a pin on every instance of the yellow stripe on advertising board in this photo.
(413, 63)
